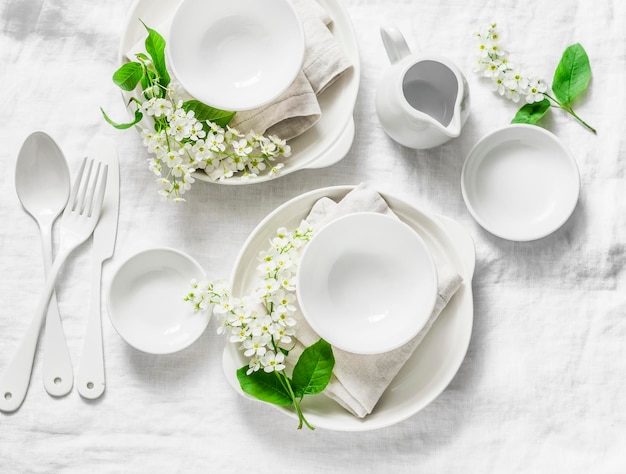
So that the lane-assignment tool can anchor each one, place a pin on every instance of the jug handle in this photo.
(394, 43)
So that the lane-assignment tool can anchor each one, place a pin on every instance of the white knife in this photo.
(91, 378)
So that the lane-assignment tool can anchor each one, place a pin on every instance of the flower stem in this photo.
(568, 108)
(296, 403)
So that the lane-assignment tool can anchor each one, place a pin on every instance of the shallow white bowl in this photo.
(236, 54)
(520, 182)
(145, 301)
(366, 283)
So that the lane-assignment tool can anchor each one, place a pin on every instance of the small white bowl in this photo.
(145, 301)
(366, 283)
(520, 182)
(236, 54)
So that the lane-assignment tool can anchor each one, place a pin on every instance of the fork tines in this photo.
(88, 190)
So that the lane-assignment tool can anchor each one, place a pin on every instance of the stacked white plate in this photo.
(435, 361)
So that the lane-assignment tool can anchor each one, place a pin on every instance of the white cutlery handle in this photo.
(58, 376)
(16, 378)
(91, 379)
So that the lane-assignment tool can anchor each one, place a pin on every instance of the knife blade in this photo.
(91, 376)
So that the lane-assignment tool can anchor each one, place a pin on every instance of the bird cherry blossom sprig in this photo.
(511, 81)
(263, 326)
(184, 136)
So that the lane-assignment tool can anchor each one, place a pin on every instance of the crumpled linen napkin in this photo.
(297, 109)
(358, 380)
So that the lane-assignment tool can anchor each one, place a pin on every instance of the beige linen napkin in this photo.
(359, 381)
(297, 109)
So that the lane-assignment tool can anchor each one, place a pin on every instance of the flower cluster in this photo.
(507, 79)
(187, 136)
(263, 323)
(181, 144)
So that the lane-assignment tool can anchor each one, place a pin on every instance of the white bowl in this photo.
(366, 283)
(520, 182)
(145, 301)
(236, 54)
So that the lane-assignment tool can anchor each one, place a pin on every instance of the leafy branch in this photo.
(571, 78)
(310, 376)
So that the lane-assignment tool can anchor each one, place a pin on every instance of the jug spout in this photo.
(453, 129)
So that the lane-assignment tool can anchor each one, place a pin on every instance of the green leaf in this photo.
(264, 386)
(128, 76)
(313, 369)
(572, 75)
(531, 113)
(123, 126)
(155, 46)
(204, 112)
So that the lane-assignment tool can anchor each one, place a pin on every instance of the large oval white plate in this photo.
(145, 305)
(520, 182)
(435, 361)
(324, 144)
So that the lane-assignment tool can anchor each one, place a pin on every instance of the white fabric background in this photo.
(543, 386)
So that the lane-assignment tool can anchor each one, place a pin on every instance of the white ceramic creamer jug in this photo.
(421, 101)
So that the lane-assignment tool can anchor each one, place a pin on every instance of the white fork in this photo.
(77, 224)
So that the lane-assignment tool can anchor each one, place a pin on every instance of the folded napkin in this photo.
(359, 381)
(297, 109)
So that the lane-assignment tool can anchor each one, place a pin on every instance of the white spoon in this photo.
(42, 181)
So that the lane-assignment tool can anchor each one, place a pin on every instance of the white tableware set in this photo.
(90, 205)
(367, 282)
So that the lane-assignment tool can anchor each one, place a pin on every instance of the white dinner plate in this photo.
(435, 361)
(145, 302)
(520, 182)
(324, 144)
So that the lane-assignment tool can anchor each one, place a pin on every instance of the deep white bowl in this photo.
(236, 54)
(145, 301)
(520, 182)
(366, 283)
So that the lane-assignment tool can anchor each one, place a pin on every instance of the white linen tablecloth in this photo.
(543, 386)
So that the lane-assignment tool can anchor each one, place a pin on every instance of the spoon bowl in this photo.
(42, 177)
(42, 182)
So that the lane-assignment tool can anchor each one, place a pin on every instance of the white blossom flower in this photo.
(196, 131)
(254, 365)
(284, 318)
(215, 141)
(158, 107)
(536, 88)
(283, 334)
(172, 159)
(506, 78)
(241, 147)
(256, 346)
(273, 362)
(263, 323)
(232, 133)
